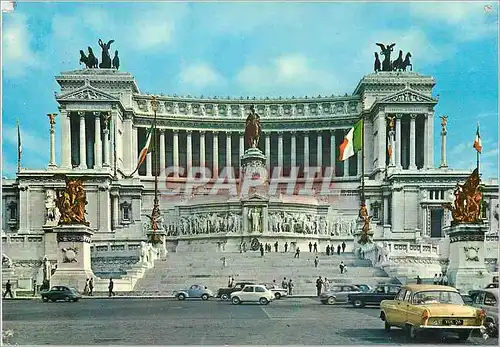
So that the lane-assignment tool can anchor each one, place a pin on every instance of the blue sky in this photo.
(255, 49)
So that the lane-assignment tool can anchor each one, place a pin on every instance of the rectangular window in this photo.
(436, 222)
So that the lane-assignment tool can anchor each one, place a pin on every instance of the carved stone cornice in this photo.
(73, 237)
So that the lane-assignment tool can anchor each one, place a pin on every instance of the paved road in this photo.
(169, 322)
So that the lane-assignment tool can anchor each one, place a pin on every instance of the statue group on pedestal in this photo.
(365, 230)
(468, 201)
(91, 62)
(253, 129)
(71, 203)
(399, 64)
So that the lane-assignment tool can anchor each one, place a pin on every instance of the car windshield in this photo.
(437, 297)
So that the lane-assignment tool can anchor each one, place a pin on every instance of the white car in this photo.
(277, 291)
(253, 293)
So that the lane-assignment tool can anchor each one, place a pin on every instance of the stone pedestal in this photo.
(466, 269)
(73, 256)
(159, 241)
(254, 172)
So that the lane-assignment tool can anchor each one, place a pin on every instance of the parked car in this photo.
(467, 299)
(195, 291)
(60, 293)
(487, 300)
(375, 296)
(225, 293)
(253, 293)
(423, 307)
(338, 294)
(277, 291)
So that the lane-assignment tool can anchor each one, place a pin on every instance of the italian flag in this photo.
(145, 150)
(353, 141)
(477, 141)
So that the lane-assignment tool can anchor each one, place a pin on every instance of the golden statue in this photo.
(391, 122)
(444, 121)
(365, 230)
(71, 203)
(468, 201)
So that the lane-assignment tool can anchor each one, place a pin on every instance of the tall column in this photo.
(319, 154)
(163, 153)
(293, 150)
(176, 151)
(397, 151)
(215, 168)
(280, 150)
(65, 138)
(242, 144)
(135, 153)
(127, 148)
(359, 157)
(189, 153)
(52, 122)
(106, 143)
(430, 139)
(267, 149)
(413, 165)
(115, 208)
(333, 148)
(202, 151)
(83, 144)
(228, 154)
(382, 138)
(346, 162)
(386, 211)
(306, 152)
(149, 164)
(98, 143)
(443, 142)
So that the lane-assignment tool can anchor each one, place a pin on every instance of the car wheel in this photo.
(331, 300)
(491, 328)
(204, 297)
(67, 299)
(277, 296)
(45, 299)
(358, 303)
(387, 326)
(181, 296)
(411, 332)
(263, 301)
(236, 300)
(464, 335)
(224, 297)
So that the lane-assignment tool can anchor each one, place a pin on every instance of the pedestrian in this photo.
(440, 279)
(86, 288)
(91, 286)
(110, 288)
(284, 283)
(343, 246)
(315, 247)
(275, 285)
(297, 253)
(229, 282)
(436, 279)
(310, 247)
(34, 287)
(319, 284)
(232, 281)
(8, 289)
(261, 250)
(419, 280)
(290, 287)
(316, 261)
(286, 247)
(327, 284)
(445, 280)
(342, 267)
(276, 246)
(338, 250)
(328, 250)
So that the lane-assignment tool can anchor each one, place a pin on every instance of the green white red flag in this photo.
(477, 141)
(353, 141)
(148, 146)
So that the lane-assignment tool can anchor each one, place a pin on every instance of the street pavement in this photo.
(118, 321)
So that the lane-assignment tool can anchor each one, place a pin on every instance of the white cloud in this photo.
(152, 34)
(30, 141)
(200, 75)
(17, 54)
(291, 73)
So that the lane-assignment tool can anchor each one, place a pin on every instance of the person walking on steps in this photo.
(284, 283)
(338, 250)
(261, 250)
(319, 284)
(276, 246)
(290, 287)
(315, 247)
(343, 246)
(316, 261)
(286, 247)
(310, 247)
(8, 289)
(342, 267)
(297, 253)
(110, 288)
(328, 250)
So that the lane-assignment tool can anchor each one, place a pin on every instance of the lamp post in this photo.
(156, 219)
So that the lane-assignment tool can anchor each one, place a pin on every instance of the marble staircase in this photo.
(181, 270)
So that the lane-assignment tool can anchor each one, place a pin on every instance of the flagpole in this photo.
(18, 147)
(155, 214)
(363, 160)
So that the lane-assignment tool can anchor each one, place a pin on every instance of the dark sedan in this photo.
(375, 296)
(60, 293)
